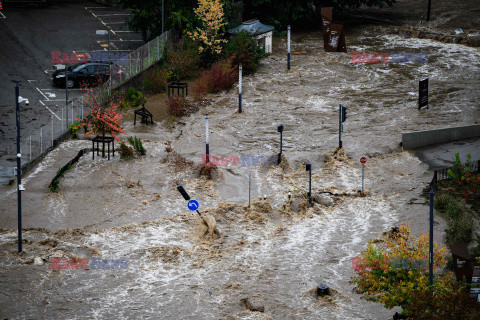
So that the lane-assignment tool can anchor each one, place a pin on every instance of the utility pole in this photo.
(20, 188)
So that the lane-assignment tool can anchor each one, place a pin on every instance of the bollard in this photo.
(240, 88)
(249, 187)
(308, 168)
(280, 129)
(207, 146)
(52, 129)
(322, 289)
(288, 48)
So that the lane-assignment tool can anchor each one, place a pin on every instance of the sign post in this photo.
(192, 204)
(363, 160)
(423, 93)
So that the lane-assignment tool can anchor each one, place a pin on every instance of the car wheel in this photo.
(70, 83)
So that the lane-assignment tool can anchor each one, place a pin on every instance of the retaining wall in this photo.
(419, 139)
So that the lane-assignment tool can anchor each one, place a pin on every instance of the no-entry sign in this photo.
(363, 160)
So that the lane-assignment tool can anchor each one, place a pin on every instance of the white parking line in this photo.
(116, 22)
(42, 94)
(112, 14)
(49, 110)
(122, 31)
(3, 16)
(126, 40)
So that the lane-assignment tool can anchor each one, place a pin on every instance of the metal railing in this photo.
(47, 136)
(441, 174)
(133, 64)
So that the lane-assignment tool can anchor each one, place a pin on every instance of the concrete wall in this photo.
(419, 139)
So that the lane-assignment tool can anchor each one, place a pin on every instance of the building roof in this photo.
(253, 27)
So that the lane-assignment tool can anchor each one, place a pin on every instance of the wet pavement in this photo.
(273, 253)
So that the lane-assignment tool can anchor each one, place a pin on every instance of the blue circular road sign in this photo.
(193, 205)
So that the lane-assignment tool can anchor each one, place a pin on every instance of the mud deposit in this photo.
(257, 262)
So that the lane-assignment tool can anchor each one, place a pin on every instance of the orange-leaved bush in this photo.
(220, 77)
(379, 278)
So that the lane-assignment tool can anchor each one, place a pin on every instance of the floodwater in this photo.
(273, 253)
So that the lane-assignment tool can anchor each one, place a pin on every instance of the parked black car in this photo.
(82, 74)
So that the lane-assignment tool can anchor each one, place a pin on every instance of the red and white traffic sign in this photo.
(363, 160)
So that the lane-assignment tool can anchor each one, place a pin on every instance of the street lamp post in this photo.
(103, 33)
(20, 188)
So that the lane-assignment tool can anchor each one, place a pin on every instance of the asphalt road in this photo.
(443, 155)
(27, 38)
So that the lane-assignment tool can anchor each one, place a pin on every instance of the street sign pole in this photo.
(363, 160)
(363, 166)
(187, 198)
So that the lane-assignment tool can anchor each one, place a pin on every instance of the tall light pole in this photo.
(163, 15)
(106, 32)
(20, 188)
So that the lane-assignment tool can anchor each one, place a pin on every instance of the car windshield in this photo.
(76, 67)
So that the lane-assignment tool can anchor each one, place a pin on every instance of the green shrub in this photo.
(137, 145)
(74, 127)
(442, 200)
(182, 60)
(156, 80)
(459, 230)
(125, 151)
(133, 98)
(459, 170)
(455, 210)
(242, 48)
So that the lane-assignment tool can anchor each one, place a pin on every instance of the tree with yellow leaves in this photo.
(209, 35)
(393, 270)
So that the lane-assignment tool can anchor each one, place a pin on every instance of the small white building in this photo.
(259, 31)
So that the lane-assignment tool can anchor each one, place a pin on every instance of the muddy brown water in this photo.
(273, 253)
